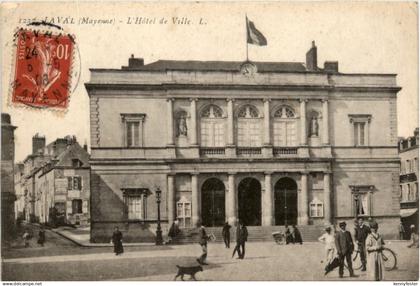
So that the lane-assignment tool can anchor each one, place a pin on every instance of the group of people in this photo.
(27, 237)
(241, 238)
(369, 242)
(292, 236)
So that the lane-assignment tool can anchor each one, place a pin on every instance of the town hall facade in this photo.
(268, 143)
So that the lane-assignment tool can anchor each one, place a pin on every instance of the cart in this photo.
(279, 237)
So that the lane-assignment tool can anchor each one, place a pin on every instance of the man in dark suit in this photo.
(226, 234)
(345, 247)
(241, 238)
(361, 232)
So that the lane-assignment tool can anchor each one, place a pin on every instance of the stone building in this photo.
(270, 143)
(56, 182)
(7, 178)
(409, 186)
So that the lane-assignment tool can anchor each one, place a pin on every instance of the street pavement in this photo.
(264, 261)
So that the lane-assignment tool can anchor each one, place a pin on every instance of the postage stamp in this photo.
(43, 64)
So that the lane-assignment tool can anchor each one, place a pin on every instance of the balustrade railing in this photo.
(248, 151)
(279, 151)
(212, 151)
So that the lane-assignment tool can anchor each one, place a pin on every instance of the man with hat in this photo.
(344, 245)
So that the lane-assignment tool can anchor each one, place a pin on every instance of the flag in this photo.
(254, 36)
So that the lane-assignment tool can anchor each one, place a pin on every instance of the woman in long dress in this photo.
(374, 246)
(117, 241)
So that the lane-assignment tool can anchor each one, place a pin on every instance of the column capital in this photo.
(304, 173)
(324, 100)
(230, 99)
(173, 174)
(329, 172)
(268, 173)
(170, 99)
(303, 100)
(232, 173)
(266, 99)
(193, 99)
(195, 173)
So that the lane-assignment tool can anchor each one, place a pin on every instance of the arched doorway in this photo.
(249, 201)
(213, 202)
(285, 202)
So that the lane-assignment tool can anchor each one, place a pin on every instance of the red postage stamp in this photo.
(42, 68)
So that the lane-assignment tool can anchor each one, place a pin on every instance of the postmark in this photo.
(44, 58)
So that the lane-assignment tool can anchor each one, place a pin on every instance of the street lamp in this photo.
(159, 239)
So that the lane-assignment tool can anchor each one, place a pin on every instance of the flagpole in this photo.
(246, 36)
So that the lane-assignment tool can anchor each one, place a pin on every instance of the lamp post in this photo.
(159, 239)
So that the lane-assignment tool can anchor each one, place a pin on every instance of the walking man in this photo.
(401, 231)
(41, 236)
(360, 234)
(344, 245)
(241, 238)
(226, 234)
(203, 243)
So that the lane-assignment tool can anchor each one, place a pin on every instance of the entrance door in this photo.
(213, 202)
(285, 200)
(249, 201)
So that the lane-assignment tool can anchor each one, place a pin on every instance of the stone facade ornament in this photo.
(314, 130)
(182, 126)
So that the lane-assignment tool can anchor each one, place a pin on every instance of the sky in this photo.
(375, 37)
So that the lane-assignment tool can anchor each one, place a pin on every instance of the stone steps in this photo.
(255, 233)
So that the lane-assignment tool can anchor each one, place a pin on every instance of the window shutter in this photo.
(69, 183)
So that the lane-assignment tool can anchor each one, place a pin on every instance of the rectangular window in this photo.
(133, 134)
(284, 133)
(360, 124)
(183, 211)
(135, 207)
(316, 209)
(362, 196)
(407, 166)
(77, 206)
(249, 133)
(359, 134)
(133, 124)
(212, 133)
(74, 183)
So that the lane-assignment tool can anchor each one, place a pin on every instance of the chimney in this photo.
(331, 67)
(85, 147)
(134, 63)
(38, 142)
(311, 58)
(60, 145)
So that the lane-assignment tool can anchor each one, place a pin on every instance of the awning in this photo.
(407, 212)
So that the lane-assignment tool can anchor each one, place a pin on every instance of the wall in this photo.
(108, 208)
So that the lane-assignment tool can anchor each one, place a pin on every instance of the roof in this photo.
(163, 65)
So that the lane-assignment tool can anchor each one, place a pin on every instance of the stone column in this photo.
(230, 137)
(267, 137)
(171, 198)
(231, 211)
(303, 131)
(195, 200)
(268, 201)
(327, 198)
(325, 128)
(304, 196)
(193, 131)
(170, 121)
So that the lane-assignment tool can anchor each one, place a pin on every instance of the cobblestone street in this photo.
(263, 261)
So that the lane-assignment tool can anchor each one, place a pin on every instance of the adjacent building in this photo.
(55, 183)
(409, 186)
(7, 178)
(269, 143)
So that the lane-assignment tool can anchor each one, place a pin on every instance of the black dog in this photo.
(190, 270)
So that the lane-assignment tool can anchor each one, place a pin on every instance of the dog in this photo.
(190, 270)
